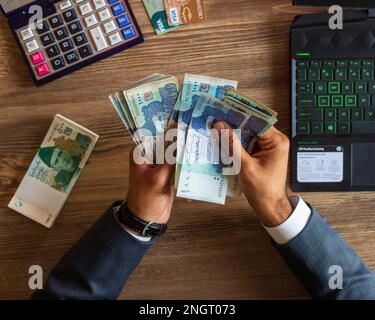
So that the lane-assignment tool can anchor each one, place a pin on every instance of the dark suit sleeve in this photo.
(318, 247)
(98, 265)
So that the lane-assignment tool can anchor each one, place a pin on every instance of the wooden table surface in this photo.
(210, 251)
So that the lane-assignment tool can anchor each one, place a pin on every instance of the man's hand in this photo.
(151, 194)
(263, 175)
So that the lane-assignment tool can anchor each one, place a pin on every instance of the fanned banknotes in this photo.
(145, 106)
(200, 174)
(53, 171)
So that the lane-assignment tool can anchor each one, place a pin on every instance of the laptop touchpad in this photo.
(363, 164)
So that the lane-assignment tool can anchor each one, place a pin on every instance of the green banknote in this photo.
(156, 12)
(151, 104)
(54, 170)
(193, 86)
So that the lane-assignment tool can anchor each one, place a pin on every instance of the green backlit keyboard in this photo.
(335, 96)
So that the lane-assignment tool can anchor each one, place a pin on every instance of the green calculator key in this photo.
(350, 101)
(330, 127)
(334, 87)
(337, 101)
(323, 101)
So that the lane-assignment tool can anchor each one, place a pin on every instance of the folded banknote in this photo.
(54, 171)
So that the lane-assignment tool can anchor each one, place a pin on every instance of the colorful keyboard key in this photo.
(123, 21)
(128, 33)
(37, 57)
(42, 69)
(118, 8)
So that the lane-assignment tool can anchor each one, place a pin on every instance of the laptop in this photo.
(71, 35)
(333, 99)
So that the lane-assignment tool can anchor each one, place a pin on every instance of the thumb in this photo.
(233, 143)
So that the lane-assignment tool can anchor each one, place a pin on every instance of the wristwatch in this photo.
(145, 228)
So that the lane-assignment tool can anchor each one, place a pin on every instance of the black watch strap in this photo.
(145, 228)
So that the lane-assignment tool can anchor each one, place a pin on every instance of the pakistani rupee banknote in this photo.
(145, 106)
(193, 87)
(53, 171)
(201, 176)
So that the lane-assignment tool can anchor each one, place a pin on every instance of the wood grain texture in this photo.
(210, 251)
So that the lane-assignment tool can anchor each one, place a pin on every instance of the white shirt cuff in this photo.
(141, 238)
(292, 226)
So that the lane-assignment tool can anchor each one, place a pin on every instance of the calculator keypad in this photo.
(78, 30)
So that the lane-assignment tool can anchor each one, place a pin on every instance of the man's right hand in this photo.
(263, 175)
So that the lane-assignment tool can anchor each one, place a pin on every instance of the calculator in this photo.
(71, 35)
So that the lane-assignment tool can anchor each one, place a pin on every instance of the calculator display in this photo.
(11, 5)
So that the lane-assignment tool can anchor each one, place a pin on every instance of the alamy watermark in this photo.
(336, 20)
(202, 147)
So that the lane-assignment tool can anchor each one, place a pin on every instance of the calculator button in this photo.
(61, 33)
(71, 57)
(104, 15)
(114, 38)
(98, 38)
(109, 26)
(85, 51)
(128, 33)
(42, 27)
(85, 8)
(57, 63)
(123, 20)
(69, 15)
(91, 21)
(42, 69)
(47, 39)
(66, 45)
(27, 34)
(118, 8)
(32, 46)
(75, 27)
(80, 39)
(78, 1)
(112, 1)
(55, 21)
(37, 57)
(98, 4)
(65, 5)
(52, 51)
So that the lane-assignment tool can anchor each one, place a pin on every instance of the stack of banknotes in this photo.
(54, 170)
(155, 105)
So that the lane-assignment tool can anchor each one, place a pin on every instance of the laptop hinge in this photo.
(371, 13)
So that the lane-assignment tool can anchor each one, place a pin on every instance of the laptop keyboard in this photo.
(335, 97)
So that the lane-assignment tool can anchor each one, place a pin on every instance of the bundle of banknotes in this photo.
(167, 15)
(54, 170)
(155, 105)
